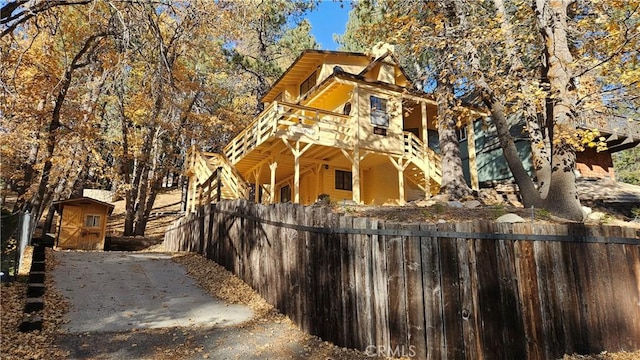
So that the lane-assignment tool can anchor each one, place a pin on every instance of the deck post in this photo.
(355, 175)
(400, 165)
(256, 174)
(473, 166)
(272, 187)
(296, 174)
(425, 150)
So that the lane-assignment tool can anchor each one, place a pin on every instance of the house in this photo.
(344, 125)
(618, 133)
(347, 126)
(83, 223)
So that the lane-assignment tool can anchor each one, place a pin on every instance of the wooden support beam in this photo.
(400, 164)
(473, 165)
(272, 167)
(297, 153)
(256, 177)
(425, 149)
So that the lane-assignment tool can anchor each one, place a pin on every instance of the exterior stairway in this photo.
(423, 161)
(203, 169)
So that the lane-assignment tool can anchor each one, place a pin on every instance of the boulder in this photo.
(454, 204)
(510, 218)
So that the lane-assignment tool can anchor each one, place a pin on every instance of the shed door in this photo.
(71, 227)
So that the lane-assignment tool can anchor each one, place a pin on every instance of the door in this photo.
(71, 227)
(91, 234)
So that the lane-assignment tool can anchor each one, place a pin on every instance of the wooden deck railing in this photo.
(294, 121)
(621, 127)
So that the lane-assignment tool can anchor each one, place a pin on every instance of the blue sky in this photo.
(328, 19)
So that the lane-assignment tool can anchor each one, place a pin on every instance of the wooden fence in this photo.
(448, 291)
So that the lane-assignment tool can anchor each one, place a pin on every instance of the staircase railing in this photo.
(422, 156)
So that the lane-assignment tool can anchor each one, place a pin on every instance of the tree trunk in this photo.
(563, 197)
(453, 182)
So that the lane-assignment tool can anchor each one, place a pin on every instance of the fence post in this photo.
(24, 238)
(219, 183)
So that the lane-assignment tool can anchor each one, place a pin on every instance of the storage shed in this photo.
(83, 223)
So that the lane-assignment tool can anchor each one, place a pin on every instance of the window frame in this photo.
(343, 180)
(306, 84)
(285, 190)
(379, 111)
(93, 224)
(461, 133)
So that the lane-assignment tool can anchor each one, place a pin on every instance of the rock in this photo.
(454, 204)
(510, 218)
(596, 215)
(472, 204)
(442, 221)
(586, 210)
(424, 203)
(440, 197)
(489, 196)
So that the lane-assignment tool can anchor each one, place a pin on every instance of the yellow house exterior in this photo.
(344, 125)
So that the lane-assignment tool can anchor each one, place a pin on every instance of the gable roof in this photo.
(82, 201)
(309, 58)
(379, 60)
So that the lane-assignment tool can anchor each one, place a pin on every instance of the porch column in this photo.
(355, 159)
(473, 165)
(297, 153)
(272, 188)
(400, 165)
(256, 176)
(425, 150)
(355, 176)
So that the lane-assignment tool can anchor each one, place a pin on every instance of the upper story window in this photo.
(379, 114)
(462, 133)
(308, 84)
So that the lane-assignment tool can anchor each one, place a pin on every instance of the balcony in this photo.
(293, 122)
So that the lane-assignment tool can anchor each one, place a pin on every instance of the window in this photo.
(343, 180)
(308, 84)
(92, 221)
(462, 133)
(285, 194)
(379, 115)
(380, 131)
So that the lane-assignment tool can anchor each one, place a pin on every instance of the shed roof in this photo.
(81, 201)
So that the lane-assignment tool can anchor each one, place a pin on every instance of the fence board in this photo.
(398, 332)
(468, 295)
(451, 296)
(415, 295)
(347, 286)
(550, 323)
(432, 284)
(380, 290)
(334, 280)
(530, 304)
(363, 284)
